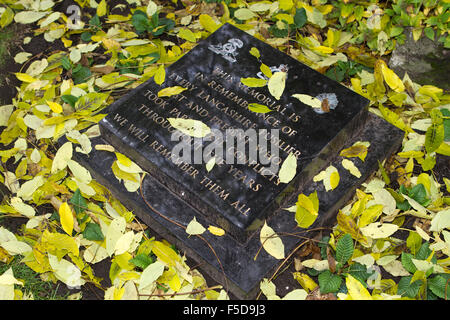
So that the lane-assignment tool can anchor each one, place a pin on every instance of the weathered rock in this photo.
(425, 61)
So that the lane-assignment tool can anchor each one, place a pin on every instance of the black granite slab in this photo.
(137, 125)
(242, 273)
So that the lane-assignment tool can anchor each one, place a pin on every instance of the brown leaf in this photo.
(331, 260)
(316, 295)
(103, 69)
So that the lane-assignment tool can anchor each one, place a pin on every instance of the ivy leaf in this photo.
(344, 249)
(329, 282)
(93, 232)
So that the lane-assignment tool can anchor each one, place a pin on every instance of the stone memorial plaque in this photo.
(239, 194)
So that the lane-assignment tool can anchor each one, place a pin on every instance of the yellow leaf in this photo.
(187, 34)
(394, 119)
(191, 127)
(307, 210)
(101, 8)
(170, 91)
(277, 84)
(194, 227)
(392, 79)
(271, 242)
(308, 100)
(323, 49)
(358, 149)
(208, 23)
(56, 107)
(160, 75)
(216, 231)
(66, 218)
(25, 77)
(286, 5)
(165, 253)
(305, 281)
(266, 70)
(244, 14)
(62, 156)
(350, 166)
(254, 82)
(288, 169)
(334, 179)
(356, 290)
(255, 52)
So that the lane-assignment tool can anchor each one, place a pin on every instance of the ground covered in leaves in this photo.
(64, 236)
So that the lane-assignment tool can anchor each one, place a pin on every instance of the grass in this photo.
(5, 39)
(41, 290)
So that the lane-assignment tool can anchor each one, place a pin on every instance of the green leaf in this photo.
(446, 113)
(429, 33)
(359, 271)
(424, 251)
(79, 203)
(437, 285)
(344, 249)
(70, 99)
(81, 75)
(86, 36)
(65, 62)
(141, 261)
(95, 21)
(407, 263)
(329, 282)
(93, 232)
(300, 18)
(405, 288)
(140, 21)
(434, 137)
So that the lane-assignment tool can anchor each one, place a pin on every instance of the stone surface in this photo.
(232, 263)
(171, 196)
(236, 197)
(425, 61)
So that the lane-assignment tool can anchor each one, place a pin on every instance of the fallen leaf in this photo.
(271, 242)
(378, 230)
(277, 83)
(191, 127)
(194, 227)
(216, 231)
(288, 169)
(66, 218)
(350, 166)
(308, 100)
